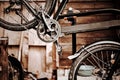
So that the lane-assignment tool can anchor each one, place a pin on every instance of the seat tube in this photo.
(30, 8)
(60, 9)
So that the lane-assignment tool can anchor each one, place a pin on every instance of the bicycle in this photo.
(90, 60)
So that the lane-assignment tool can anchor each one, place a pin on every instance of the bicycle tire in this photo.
(49, 8)
(85, 57)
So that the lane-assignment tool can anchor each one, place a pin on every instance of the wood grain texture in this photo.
(3, 60)
(88, 37)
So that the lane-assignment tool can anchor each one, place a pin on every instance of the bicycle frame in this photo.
(76, 28)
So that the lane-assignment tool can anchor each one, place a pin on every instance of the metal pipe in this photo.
(115, 11)
(30, 8)
(60, 9)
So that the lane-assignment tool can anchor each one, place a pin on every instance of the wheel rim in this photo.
(96, 66)
(10, 20)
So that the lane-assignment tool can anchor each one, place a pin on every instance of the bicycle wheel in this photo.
(95, 62)
(18, 18)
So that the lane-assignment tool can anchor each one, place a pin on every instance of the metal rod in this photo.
(30, 8)
(115, 11)
(60, 9)
(73, 39)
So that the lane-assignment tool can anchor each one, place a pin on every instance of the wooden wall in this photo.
(88, 37)
(38, 56)
(3, 59)
(35, 55)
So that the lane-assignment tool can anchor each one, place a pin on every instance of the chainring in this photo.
(50, 34)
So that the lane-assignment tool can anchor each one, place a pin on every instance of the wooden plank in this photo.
(28, 0)
(96, 35)
(65, 62)
(50, 58)
(86, 0)
(102, 33)
(25, 49)
(88, 37)
(3, 60)
(104, 0)
(1, 32)
(1, 16)
(80, 0)
(85, 40)
(13, 49)
(34, 39)
(37, 60)
(66, 53)
(79, 5)
(54, 56)
(91, 27)
(88, 19)
(89, 5)
(91, 19)
(103, 5)
(14, 37)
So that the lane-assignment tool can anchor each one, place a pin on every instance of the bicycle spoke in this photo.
(90, 62)
(102, 58)
(99, 59)
(107, 55)
(17, 22)
(93, 57)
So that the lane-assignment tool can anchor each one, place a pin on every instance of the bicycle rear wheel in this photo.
(19, 18)
(95, 62)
